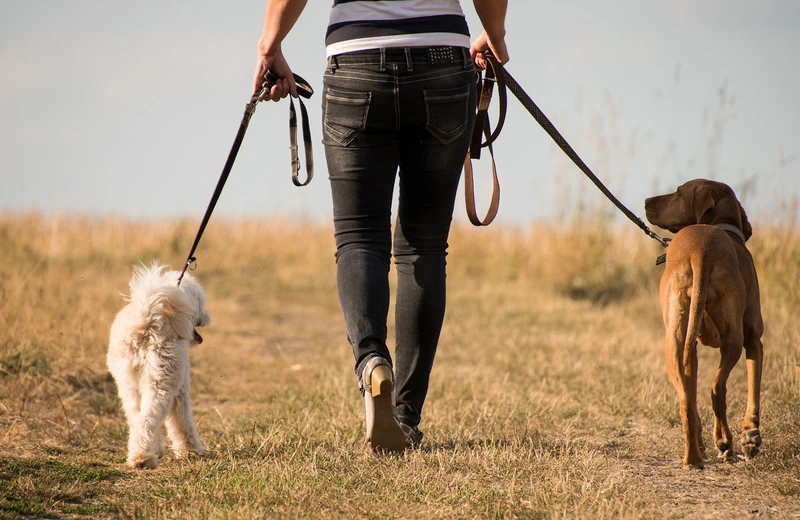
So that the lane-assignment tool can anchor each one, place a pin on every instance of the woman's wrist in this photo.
(496, 34)
(268, 47)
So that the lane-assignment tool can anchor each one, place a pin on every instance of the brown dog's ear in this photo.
(702, 202)
(747, 229)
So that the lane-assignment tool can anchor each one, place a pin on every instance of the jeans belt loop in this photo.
(409, 63)
(466, 57)
(332, 63)
(382, 67)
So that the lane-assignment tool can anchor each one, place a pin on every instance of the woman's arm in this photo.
(279, 18)
(493, 18)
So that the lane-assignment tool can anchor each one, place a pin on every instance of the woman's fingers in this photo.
(484, 44)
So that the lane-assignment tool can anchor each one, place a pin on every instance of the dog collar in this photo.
(730, 228)
(724, 227)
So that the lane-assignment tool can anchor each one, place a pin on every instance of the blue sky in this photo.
(131, 108)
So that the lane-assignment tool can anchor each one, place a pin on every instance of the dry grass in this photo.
(549, 396)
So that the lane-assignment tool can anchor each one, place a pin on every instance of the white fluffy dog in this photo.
(148, 355)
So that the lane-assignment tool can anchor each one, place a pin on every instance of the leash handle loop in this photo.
(469, 186)
(304, 90)
(486, 81)
(307, 147)
(303, 87)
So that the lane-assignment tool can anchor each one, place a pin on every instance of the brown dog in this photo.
(709, 291)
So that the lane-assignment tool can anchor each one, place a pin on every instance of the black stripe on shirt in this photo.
(369, 29)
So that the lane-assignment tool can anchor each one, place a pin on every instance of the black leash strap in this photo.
(505, 81)
(303, 90)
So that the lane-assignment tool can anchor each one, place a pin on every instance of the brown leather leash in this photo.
(496, 73)
(304, 90)
(486, 81)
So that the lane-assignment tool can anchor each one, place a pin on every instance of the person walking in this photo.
(399, 99)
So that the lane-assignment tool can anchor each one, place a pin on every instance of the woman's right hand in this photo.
(483, 44)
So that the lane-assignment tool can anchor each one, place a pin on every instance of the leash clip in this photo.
(189, 263)
(664, 242)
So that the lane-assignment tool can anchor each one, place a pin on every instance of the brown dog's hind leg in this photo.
(699, 433)
(686, 386)
(751, 435)
(694, 457)
(730, 351)
(684, 379)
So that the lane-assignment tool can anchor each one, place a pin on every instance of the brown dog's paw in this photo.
(751, 441)
(726, 455)
(725, 450)
(693, 463)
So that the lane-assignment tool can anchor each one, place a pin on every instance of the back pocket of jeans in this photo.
(447, 112)
(345, 114)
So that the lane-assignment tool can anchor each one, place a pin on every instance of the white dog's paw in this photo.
(143, 460)
(190, 451)
(157, 446)
(200, 450)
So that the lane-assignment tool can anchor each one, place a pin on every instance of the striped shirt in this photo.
(370, 24)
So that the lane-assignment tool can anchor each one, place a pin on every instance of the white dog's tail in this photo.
(161, 302)
(696, 309)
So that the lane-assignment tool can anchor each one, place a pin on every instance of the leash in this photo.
(496, 73)
(304, 90)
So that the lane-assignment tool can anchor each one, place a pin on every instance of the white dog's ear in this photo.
(205, 318)
(195, 291)
(179, 309)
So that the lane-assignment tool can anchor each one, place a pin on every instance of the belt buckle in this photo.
(439, 55)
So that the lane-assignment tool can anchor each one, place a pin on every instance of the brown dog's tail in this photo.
(696, 309)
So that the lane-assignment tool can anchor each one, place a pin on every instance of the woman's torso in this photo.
(370, 24)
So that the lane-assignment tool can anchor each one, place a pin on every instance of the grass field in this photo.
(549, 396)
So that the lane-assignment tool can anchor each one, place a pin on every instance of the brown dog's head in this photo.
(699, 201)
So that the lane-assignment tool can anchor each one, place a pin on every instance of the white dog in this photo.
(148, 355)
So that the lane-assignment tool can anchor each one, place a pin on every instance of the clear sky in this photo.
(130, 108)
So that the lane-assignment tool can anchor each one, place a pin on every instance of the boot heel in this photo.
(383, 429)
(381, 381)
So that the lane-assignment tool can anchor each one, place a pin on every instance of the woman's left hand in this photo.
(279, 66)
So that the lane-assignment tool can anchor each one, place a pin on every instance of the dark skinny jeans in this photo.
(384, 110)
